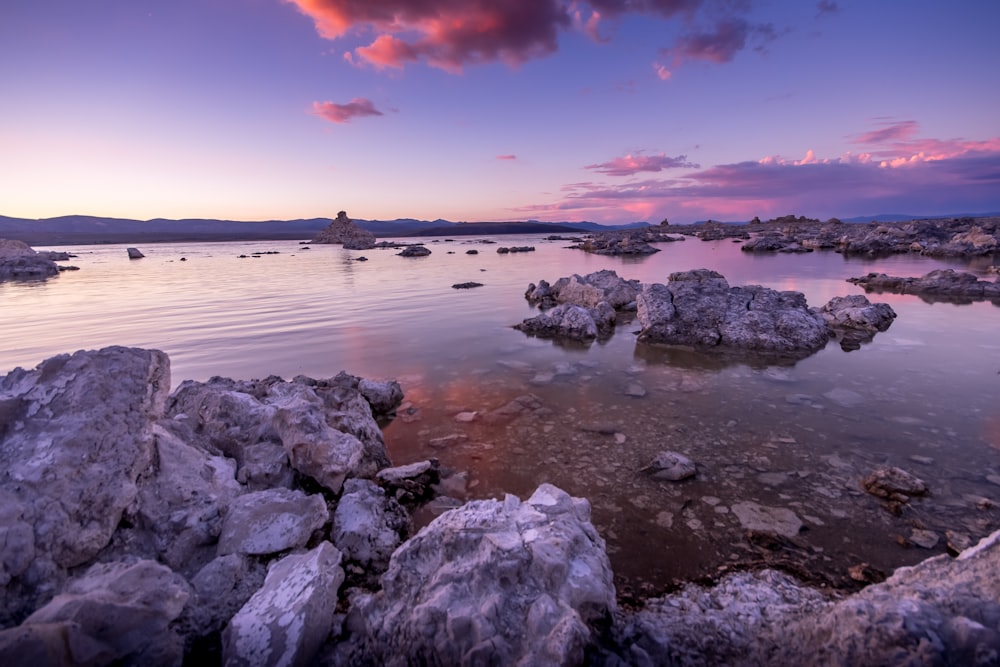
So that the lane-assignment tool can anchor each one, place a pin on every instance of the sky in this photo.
(609, 111)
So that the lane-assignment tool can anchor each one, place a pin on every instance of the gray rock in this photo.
(367, 525)
(756, 517)
(571, 321)
(344, 231)
(134, 253)
(18, 261)
(588, 291)
(265, 465)
(671, 466)
(699, 309)
(383, 397)
(855, 320)
(75, 434)
(267, 522)
(220, 589)
(115, 613)
(937, 283)
(182, 499)
(493, 582)
(411, 482)
(289, 618)
(414, 251)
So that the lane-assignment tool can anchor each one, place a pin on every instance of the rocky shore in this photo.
(261, 523)
(18, 261)
(939, 285)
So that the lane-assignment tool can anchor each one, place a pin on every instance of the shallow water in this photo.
(794, 436)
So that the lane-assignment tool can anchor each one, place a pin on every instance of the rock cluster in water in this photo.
(939, 284)
(18, 261)
(221, 524)
(699, 309)
(344, 231)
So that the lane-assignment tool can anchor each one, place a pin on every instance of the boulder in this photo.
(571, 321)
(414, 251)
(326, 426)
(265, 465)
(116, 613)
(946, 283)
(134, 253)
(219, 590)
(699, 309)
(271, 521)
(588, 291)
(855, 320)
(344, 231)
(383, 397)
(289, 618)
(367, 525)
(620, 243)
(891, 481)
(493, 582)
(18, 261)
(75, 434)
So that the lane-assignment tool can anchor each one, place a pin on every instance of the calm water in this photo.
(923, 395)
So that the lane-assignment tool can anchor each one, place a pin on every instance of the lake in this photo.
(923, 395)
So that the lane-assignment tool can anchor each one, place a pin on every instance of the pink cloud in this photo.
(965, 178)
(446, 33)
(344, 113)
(891, 131)
(630, 165)
(506, 157)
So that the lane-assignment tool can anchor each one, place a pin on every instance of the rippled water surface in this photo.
(923, 395)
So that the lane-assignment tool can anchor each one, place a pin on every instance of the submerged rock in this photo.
(570, 321)
(671, 466)
(493, 582)
(890, 482)
(699, 309)
(344, 231)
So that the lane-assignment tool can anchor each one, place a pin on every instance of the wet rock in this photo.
(845, 398)
(271, 521)
(761, 518)
(75, 434)
(493, 582)
(570, 321)
(468, 285)
(134, 253)
(18, 261)
(671, 466)
(699, 309)
(635, 390)
(524, 248)
(289, 618)
(926, 539)
(383, 397)
(367, 524)
(344, 231)
(115, 613)
(937, 283)
(891, 482)
(588, 291)
(411, 482)
(414, 251)
(855, 319)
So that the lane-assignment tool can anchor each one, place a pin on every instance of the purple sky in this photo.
(604, 110)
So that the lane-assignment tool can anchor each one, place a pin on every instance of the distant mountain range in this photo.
(85, 229)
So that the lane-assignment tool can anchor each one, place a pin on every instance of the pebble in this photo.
(466, 417)
(926, 539)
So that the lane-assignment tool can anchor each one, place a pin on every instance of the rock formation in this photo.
(855, 320)
(344, 231)
(18, 261)
(699, 309)
(142, 528)
(938, 284)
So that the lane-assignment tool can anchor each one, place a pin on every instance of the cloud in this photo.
(446, 33)
(891, 130)
(949, 176)
(506, 157)
(452, 34)
(825, 7)
(630, 165)
(344, 113)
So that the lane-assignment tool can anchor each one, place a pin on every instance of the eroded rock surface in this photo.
(568, 320)
(18, 261)
(493, 582)
(344, 231)
(699, 309)
(941, 283)
(855, 320)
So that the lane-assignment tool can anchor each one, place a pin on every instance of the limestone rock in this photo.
(367, 525)
(588, 291)
(414, 251)
(267, 522)
(220, 589)
(115, 613)
(571, 321)
(493, 582)
(699, 309)
(18, 261)
(671, 466)
(265, 465)
(383, 397)
(940, 283)
(344, 231)
(287, 620)
(855, 319)
(75, 434)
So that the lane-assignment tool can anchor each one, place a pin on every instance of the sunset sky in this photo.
(562, 110)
